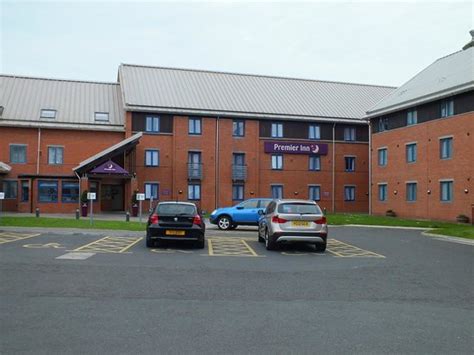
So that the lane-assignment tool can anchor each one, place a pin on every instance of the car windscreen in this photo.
(175, 209)
(299, 208)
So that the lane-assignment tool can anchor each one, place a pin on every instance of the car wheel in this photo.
(234, 226)
(321, 247)
(200, 243)
(269, 243)
(224, 223)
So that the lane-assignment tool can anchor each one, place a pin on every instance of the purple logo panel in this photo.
(296, 148)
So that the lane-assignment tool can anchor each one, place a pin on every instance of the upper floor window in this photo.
(101, 116)
(238, 159)
(18, 153)
(314, 131)
(314, 193)
(349, 193)
(382, 192)
(55, 155)
(350, 163)
(411, 191)
(382, 156)
(349, 134)
(194, 126)
(411, 152)
(152, 157)
(446, 148)
(238, 128)
(152, 124)
(447, 108)
(412, 117)
(277, 161)
(194, 192)
(446, 188)
(48, 114)
(383, 124)
(314, 163)
(277, 130)
(277, 191)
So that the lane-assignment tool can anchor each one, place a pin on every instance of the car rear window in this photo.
(175, 209)
(299, 208)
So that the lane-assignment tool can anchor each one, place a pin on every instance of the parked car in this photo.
(293, 221)
(245, 213)
(175, 221)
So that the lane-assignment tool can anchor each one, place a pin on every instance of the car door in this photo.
(246, 212)
(263, 218)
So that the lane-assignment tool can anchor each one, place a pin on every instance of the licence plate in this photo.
(172, 232)
(300, 223)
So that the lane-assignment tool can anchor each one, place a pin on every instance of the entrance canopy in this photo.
(101, 163)
(4, 168)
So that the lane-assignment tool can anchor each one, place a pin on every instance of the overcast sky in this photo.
(383, 43)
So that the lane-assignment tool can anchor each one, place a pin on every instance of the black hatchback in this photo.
(175, 221)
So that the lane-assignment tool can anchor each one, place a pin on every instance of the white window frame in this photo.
(318, 188)
(314, 131)
(55, 149)
(277, 130)
(152, 124)
(277, 161)
(152, 154)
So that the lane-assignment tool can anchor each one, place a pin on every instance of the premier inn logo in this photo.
(295, 148)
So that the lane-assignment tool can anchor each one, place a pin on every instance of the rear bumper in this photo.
(300, 237)
(157, 233)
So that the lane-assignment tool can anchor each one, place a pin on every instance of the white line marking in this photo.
(76, 256)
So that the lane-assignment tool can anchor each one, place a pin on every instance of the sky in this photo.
(382, 43)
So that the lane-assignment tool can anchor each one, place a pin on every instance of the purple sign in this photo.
(109, 167)
(295, 148)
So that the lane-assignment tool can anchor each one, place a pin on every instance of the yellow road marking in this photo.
(43, 246)
(230, 247)
(344, 250)
(249, 248)
(116, 245)
(131, 245)
(8, 237)
(209, 246)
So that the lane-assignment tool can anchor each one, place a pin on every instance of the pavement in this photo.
(374, 291)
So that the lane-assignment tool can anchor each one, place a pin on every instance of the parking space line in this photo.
(230, 247)
(116, 245)
(8, 237)
(209, 246)
(344, 250)
(249, 248)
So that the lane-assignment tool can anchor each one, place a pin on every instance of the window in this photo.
(411, 152)
(25, 191)
(446, 148)
(314, 163)
(237, 192)
(382, 192)
(447, 108)
(314, 193)
(383, 124)
(47, 191)
(349, 193)
(194, 126)
(194, 192)
(412, 117)
(238, 128)
(277, 161)
(349, 134)
(18, 153)
(70, 191)
(238, 159)
(314, 132)
(446, 188)
(48, 114)
(350, 163)
(411, 191)
(277, 130)
(101, 116)
(152, 157)
(382, 156)
(55, 155)
(250, 204)
(151, 190)
(277, 191)
(10, 188)
(152, 124)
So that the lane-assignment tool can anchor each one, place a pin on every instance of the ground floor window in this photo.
(237, 192)
(446, 188)
(277, 191)
(349, 193)
(314, 193)
(25, 191)
(10, 188)
(411, 191)
(194, 192)
(70, 191)
(151, 190)
(382, 192)
(47, 191)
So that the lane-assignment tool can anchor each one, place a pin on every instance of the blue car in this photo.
(245, 214)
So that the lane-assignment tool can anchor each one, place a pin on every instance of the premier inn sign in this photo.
(295, 148)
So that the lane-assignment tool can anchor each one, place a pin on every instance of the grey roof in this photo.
(229, 94)
(447, 76)
(75, 103)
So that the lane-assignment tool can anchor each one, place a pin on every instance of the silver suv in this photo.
(293, 221)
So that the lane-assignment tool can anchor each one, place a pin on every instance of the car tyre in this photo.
(320, 247)
(224, 223)
(200, 243)
(232, 227)
(270, 244)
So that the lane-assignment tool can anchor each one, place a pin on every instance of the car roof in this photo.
(176, 203)
(295, 201)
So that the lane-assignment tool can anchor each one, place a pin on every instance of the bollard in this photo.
(77, 213)
(127, 217)
(324, 211)
(37, 212)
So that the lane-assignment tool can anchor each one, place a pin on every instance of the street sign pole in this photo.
(2, 196)
(140, 199)
(92, 218)
(91, 198)
(140, 211)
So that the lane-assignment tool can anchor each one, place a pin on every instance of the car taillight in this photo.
(197, 219)
(278, 219)
(154, 219)
(322, 220)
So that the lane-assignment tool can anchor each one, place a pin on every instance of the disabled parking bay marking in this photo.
(344, 250)
(109, 245)
(230, 247)
(171, 251)
(8, 237)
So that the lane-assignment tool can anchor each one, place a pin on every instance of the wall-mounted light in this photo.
(252, 193)
(395, 192)
(296, 193)
(180, 192)
(428, 192)
(466, 191)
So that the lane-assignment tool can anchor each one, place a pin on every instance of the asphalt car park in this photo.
(373, 290)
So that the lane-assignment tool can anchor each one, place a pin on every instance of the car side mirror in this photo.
(240, 207)
(261, 212)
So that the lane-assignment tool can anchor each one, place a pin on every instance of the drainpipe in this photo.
(80, 191)
(38, 152)
(334, 167)
(216, 200)
(370, 168)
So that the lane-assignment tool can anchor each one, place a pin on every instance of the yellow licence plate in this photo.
(172, 232)
(300, 223)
